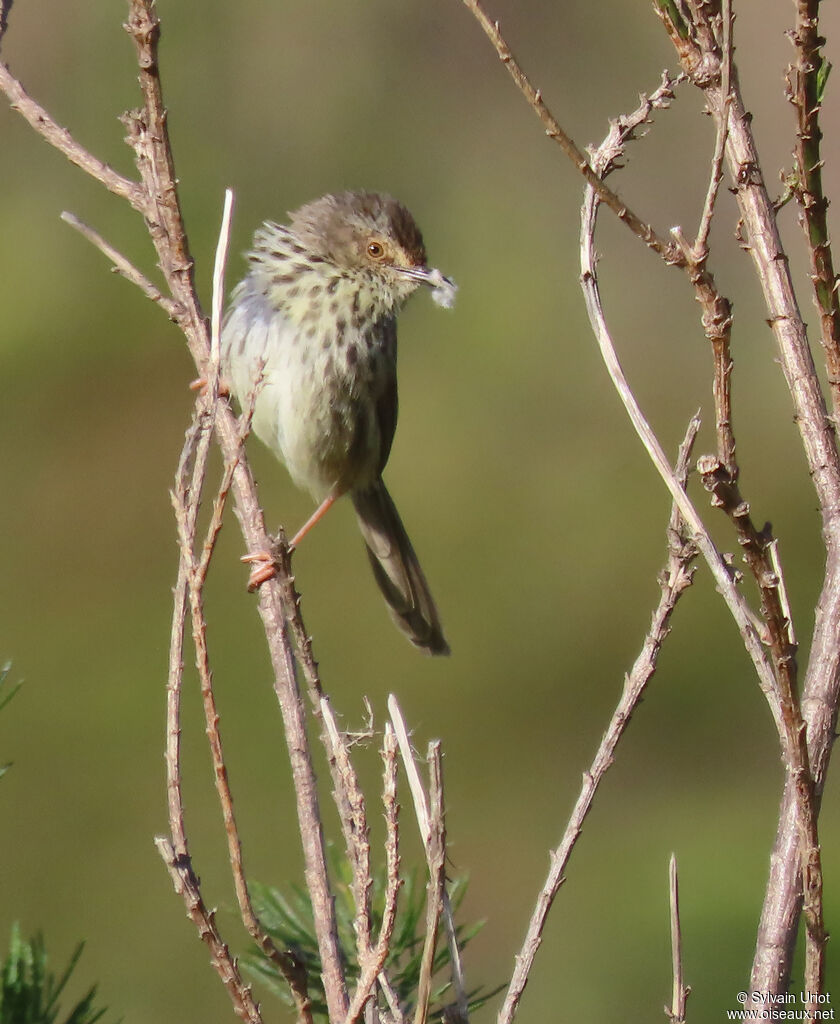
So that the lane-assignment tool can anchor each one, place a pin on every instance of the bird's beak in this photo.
(443, 288)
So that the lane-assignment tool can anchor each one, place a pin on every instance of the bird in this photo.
(310, 340)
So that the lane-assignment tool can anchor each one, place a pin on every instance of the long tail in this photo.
(397, 570)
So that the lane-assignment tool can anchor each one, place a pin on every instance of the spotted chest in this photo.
(327, 403)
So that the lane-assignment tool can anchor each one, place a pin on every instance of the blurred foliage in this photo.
(286, 913)
(29, 993)
(536, 516)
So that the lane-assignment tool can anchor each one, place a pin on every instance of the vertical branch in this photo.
(147, 134)
(433, 833)
(795, 862)
(186, 885)
(352, 813)
(701, 247)
(373, 960)
(806, 80)
(175, 852)
(293, 972)
(676, 1011)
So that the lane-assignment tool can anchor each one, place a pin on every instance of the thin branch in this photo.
(186, 885)
(676, 1011)
(716, 319)
(806, 80)
(373, 962)
(664, 248)
(397, 1011)
(148, 135)
(350, 802)
(293, 971)
(700, 55)
(219, 265)
(717, 310)
(35, 115)
(175, 853)
(124, 267)
(699, 534)
(188, 504)
(701, 246)
(426, 823)
(176, 642)
(674, 580)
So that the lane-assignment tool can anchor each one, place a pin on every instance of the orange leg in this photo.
(264, 567)
(316, 517)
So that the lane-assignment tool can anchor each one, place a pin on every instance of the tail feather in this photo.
(397, 570)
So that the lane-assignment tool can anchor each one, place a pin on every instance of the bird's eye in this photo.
(376, 250)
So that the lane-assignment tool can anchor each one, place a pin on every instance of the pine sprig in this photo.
(29, 992)
(287, 916)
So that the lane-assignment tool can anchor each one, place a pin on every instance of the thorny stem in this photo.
(675, 578)
(148, 136)
(156, 197)
(804, 94)
(667, 250)
(187, 502)
(175, 853)
(700, 56)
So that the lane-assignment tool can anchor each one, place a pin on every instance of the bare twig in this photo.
(717, 310)
(789, 874)
(199, 428)
(123, 266)
(148, 136)
(186, 884)
(293, 971)
(699, 534)
(187, 504)
(156, 197)
(701, 247)
(176, 852)
(372, 962)
(676, 1011)
(219, 265)
(63, 141)
(353, 815)
(427, 827)
(667, 250)
(804, 87)
(716, 319)
(674, 580)
(397, 1011)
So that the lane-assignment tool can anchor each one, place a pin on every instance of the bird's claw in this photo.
(265, 568)
(200, 384)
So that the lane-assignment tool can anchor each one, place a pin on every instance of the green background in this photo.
(538, 518)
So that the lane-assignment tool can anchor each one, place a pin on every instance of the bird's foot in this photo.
(200, 384)
(267, 563)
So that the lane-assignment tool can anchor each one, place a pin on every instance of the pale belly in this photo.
(318, 406)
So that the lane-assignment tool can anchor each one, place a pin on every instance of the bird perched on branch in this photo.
(315, 322)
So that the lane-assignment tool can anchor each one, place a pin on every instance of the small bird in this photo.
(311, 332)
